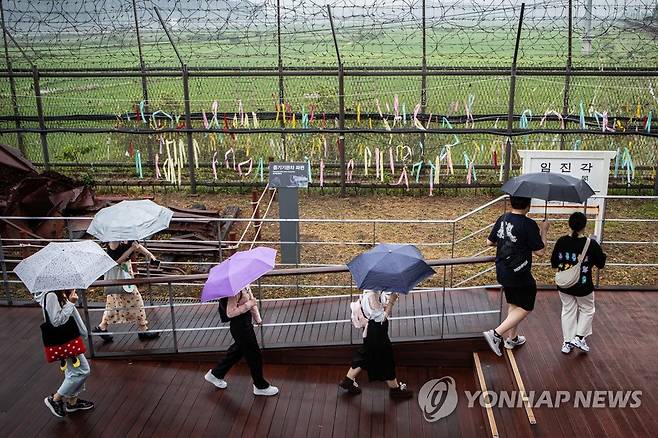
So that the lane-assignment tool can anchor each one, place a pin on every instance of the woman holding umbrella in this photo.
(124, 304)
(59, 309)
(229, 281)
(385, 268)
(376, 355)
(52, 275)
(122, 225)
(241, 310)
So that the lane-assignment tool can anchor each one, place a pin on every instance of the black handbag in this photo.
(63, 341)
(513, 255)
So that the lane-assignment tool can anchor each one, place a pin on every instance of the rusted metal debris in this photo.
(26, 193)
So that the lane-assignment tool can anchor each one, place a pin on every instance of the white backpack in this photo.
(569, 277)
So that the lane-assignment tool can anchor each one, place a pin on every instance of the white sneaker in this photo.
(270, 390)
(493, 341)
(580, 344)
(511, 343)
(220, 383)
(566, 347)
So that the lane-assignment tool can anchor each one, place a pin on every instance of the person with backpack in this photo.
(516, 238)
(376, 355)
(238, 311)
(59, 311)
(574, 256)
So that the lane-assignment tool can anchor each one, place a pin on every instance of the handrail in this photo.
(281, 272)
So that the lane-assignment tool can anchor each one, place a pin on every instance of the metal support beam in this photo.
(341, 108)
(510, 106)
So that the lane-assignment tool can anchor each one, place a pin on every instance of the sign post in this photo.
(591, 166)
(287, 178)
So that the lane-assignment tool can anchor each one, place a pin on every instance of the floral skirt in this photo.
(124, 308)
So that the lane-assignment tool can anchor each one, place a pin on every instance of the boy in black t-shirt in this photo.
(516, 238)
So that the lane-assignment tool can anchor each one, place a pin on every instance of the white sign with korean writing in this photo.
(591, 166)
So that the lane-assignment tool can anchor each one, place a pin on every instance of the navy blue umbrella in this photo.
(390, 268)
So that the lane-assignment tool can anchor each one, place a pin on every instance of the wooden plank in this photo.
(483, 387)
(521, 386)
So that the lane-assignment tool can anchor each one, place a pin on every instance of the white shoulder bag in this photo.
(569, 277)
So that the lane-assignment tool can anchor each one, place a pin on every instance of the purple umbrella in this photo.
(241, 269)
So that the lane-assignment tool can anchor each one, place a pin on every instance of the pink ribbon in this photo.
(350, 170)
(214, 165)
(321, 172)
(251, 163)
(324, 142)
(157, 167)
(376, 162)
(161, 143)
(396, 106)
(241, 112)
(470, 173)
(604, 124)
(555, 113)
(312, 117)
(403, 176)
(429, 119)
(431, 180)
(205, 120)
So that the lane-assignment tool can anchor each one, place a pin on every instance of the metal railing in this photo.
(461, 236)
(177, 319)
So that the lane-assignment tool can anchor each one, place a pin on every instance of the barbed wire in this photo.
(69, 33)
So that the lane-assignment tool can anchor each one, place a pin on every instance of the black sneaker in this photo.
(80, 405)
(350, 386)
(401, 392)
(148, 336)
(105, 338)
(56, 407)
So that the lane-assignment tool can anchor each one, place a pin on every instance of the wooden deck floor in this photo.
(291, 314)
(163, 399)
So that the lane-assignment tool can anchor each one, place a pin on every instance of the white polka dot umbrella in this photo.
(64, 266)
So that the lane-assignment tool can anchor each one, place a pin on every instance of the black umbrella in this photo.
(549, 187)
(390, 268)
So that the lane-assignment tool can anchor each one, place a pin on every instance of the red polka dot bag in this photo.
(63, 341)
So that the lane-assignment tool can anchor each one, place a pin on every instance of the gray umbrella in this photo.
(129, 220)
(64, 266)
(549, 187)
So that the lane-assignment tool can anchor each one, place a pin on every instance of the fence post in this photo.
(12, 85)
(443, 300)
(423, 77)
(260, 307)
(341, 107)
(510, 107)
(85, 308)
(282, 99)
(142, 68)
(567, 72)
(5, 278)
(42, 121)
(173, 318)
(188, 127)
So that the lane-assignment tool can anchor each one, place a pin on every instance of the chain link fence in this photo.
(427, 88)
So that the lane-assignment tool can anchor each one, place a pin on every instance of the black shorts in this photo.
(522, 296)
